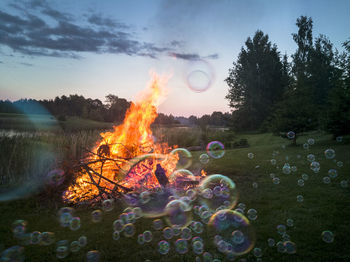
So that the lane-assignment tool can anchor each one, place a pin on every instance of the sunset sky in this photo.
(94, 48)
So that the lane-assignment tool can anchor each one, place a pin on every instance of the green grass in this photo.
(325, 207)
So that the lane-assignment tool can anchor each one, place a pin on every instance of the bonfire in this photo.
(127, 159)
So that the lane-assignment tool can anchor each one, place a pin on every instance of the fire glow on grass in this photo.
(129, 141)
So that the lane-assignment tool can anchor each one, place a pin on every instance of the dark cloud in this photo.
(26, 64)
(192, 56)
(34, 35)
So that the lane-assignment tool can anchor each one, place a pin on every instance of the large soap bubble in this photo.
(199, 76)
(178, 213)
(234, 230)
(218, 191)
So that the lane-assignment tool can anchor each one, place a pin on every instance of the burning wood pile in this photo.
(128, 159)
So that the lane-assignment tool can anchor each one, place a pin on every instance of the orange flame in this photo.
(127, 141)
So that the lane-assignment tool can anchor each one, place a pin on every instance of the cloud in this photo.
(26, 64)
(192, 56)
(33, 33)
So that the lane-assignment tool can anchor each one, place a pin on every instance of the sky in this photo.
(95, 48)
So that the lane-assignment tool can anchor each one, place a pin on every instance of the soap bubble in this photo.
(290, 247)
(276, 180)
(35, 237)
(310, 157)
(344, 183)
(140, 239)
(147, 236)
(290, 135)
(305, 176)
(62, 251)
(271, 242)
(257, 252)
(327, 236)
(108, 205)
(306, 146)
(252, 214)
(14, 253)
(315, 166)
(326, 180)
(199, 76)
(339, 139)
(128, 230)
(96, 216)
(163, 247)
(116, 235)
(186, 233)
(225, 224)
(332, 173)
(215, 149)
(329, 153)
(340, 164)
(181, 246)
(157, 224)
(178, 213)
(286, 169)
(290, 222)
(168, 233)
(311, 141)
(225, 188)
(74, 246)
(281, 229)
(300, 182)
(182, 179)
(273, 162)
(184, 157)
(300, 198)
(93, 256)
(204, 158)
(250, 155)
(74, 223)
(82, 241)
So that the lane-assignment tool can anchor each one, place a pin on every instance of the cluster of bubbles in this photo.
(181, 213)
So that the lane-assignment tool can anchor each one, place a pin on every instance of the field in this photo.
(325, 206)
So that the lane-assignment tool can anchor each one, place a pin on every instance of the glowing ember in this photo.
(127, 157)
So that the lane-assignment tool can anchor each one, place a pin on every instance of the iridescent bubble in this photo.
(184, 157)
(216, 149)
(344, 183)
(108, 205)
(181, 246)
(290, 222)
(168, 233)
(290, 247)
(197, 227)
(252, 214)
(273, 162)
(96, 216)
(340, 164)
(300, 182)
(207, 257)
(315, 166)
(82, 241)
(311, 141)
(310, 157)
(35, 237)
(182, 179)
(339, 139)
(306, 146)
(128, 230)
(158, 224)
(300, 198)
(55, 177)
(257, 252)
(197, 247)
(47, 238)
(223, 223)
(237, 237)
(116, 235)
(186, 233)
(286, 169)
(250, 155)
(332, 173)
(62, 251)
(138, 212)
(163, 247)
(191, 194)
(178, 213)
(74, 223)
(290, 135)
(326, 180)
(204, 158)
(140, 239)
(280, 247)
(176, 230)
(13, 254)
(199, 76)
(329, 153)
(93, 256)
(65, 217)
(118, 225)
(228, 193)
(74, 246)
(281, 229)
(155, 206)
(293, 168)
(305, 176)
(276, 180)
(271, 242)
(327, 236)
(147, 236)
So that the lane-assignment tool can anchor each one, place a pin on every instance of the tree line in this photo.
(308, 90)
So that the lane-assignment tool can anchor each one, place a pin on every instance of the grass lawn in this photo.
(325, 207)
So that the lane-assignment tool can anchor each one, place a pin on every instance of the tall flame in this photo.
(130, 139)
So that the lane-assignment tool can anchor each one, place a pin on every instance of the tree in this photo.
(255, 82)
